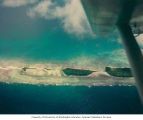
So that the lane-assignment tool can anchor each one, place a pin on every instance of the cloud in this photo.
(42, 9)
(17, 3)
(71, 15)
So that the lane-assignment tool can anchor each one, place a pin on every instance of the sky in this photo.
(55, 31)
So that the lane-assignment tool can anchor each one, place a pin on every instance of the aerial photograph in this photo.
(71, 57)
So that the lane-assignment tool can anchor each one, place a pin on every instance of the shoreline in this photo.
(55, 76)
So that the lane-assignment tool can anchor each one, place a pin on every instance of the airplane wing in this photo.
(103, 15)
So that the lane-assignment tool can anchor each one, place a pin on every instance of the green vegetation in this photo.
(119, 72)
(77, 72)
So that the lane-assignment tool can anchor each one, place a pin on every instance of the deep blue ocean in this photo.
(41, 99)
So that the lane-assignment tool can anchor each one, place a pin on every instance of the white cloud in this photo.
(17, 3)
(71, 15)
(42, 9)
(74, 19)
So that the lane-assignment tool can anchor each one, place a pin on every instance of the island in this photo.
(77, 72)
(48, 74)
(119, 72)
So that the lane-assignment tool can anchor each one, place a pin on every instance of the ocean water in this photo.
(35, 99)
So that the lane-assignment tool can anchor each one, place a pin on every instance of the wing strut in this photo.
(131, 46)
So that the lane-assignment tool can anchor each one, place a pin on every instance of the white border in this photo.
(71, 117)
